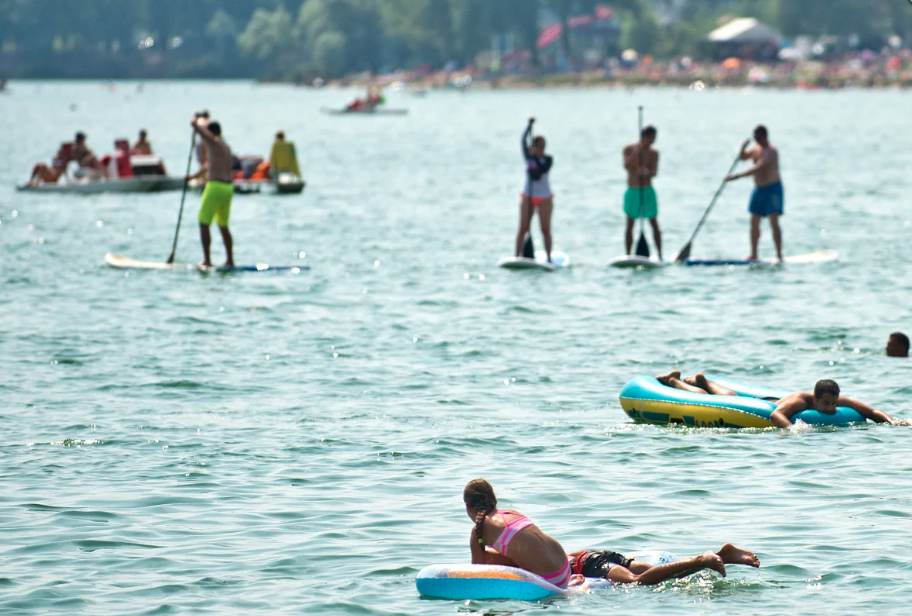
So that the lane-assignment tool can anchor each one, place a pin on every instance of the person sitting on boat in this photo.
(142, 147)
(825, 399)
(898, 345)
(44, 174)
(370, 101)
(282, 157)
(89, 165)
(619, 569)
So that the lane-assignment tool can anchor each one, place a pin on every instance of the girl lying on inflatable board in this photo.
(506, 537)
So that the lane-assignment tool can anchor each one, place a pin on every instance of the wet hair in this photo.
(826, 386)
(760, 131)
(215, 128)
(902, 339)
(479, 495)
(80, 136)
(649, 131)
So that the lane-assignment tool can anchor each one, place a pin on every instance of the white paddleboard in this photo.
(820, 256)
(128, 263)
(540, 262)
(636, 262)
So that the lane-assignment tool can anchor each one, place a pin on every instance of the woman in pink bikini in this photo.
(514, 539)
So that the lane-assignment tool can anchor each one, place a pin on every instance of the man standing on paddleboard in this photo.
(767, 198)
(216, 203)
(642, 164)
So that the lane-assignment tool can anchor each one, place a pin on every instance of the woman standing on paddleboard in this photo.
(537, 190)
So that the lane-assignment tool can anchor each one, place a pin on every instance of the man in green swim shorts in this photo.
(642, 164)
(216, 204)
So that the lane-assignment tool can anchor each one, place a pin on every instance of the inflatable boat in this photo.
(646, 400)
(472, 582)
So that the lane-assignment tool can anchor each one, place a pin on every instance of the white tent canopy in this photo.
(744, 30)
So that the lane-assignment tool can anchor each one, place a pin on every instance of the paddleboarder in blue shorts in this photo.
(767, 198)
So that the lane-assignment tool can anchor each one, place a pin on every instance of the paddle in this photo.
(684, 253)
(642, 245)
(528, 248)
(180, 213)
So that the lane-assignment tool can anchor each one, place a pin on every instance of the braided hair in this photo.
(479, 495)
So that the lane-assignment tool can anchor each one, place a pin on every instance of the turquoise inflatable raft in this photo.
(646, 400)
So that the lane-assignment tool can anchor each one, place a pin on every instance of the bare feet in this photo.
(713, 561)
(228, 264)
(665, 379)
(752, 258)
(698, 381)
(732, 555)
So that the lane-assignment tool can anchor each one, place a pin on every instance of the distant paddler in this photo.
(767, 198)
(641, 161)
(537, 189)
(216, 203)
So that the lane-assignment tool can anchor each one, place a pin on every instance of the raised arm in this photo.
(200, 125)
(869, 413)
(526, 142)
(745, 155)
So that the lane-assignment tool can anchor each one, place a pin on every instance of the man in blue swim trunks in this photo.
(766, 200)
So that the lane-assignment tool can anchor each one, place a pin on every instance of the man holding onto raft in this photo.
(825, 399)
(216, 203)
(767, 198)
(621, 570)
(897, 345)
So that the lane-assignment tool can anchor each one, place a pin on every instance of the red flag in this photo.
(549, 35)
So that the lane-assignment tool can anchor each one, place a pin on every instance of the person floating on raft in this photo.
(825, 399)
(621, 570)
(513, 538)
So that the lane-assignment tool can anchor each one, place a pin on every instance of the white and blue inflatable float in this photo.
(469, 582)
(646, 400)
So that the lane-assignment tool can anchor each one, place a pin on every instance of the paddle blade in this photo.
(642, 246)
(683, 254)
(528, 250)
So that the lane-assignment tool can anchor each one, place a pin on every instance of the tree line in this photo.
(287, 38)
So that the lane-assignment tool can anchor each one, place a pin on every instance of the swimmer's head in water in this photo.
(898, 345)
(649, 135)
(479, 498)
(826, 392)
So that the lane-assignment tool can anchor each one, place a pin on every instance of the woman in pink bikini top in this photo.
(513, 538)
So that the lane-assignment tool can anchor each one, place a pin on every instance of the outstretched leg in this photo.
(698, 380)
(657, 235)
(545, 209)
(628, 235)
(673, 379)
(525, 219)
(777, 234)
(729, 554)
(755, 237)
(229, 246)
(206, 240)
(660, 573)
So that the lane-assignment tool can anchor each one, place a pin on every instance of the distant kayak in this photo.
(127, 263)
(365, 111)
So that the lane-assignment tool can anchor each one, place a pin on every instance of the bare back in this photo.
(768, 172)
(530, 548)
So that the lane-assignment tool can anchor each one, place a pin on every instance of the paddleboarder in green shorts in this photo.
(216, 203)
(641, 161)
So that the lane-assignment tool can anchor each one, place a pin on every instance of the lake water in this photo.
(175, 442)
